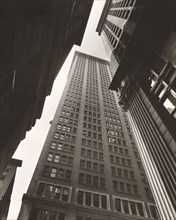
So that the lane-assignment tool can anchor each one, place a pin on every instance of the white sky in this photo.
(29, 149)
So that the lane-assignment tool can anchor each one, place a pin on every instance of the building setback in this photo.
(35, 39)
(6, 187)
(89, 167)
(144, 71)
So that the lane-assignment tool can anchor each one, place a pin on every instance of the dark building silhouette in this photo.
(35, 39)
(6, 186)
(89, 167)
(140, 37)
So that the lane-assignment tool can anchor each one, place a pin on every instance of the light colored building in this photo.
(89, 167)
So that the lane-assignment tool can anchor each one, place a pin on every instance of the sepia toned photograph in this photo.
(87, 110)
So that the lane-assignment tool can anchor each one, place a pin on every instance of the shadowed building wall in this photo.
(35, 39)
(145, 79)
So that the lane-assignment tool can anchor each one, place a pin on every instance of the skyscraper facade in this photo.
(145, 79)
(89, 168)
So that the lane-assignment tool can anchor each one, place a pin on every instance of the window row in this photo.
(66, 128)
(124, 187)
(45, 214)
(91, 134)
(56, 192)
(71, 102)
(115, 133)
(120, 13)
(70, 108)
(90, 180)
(112, 119)
(71, 98)
(56, 158)
(92, 199)
(135, 208)
(62, 147)
(93, 166)
(68, 120)
(92, 153)
(69, 114)
(93, 120)
(92, 103)
(90, 113)
(92, 143)
(111, 113)
(116, 141)
(122, 173)
(116, 30)
(89, 107)
(55, 172)
(126, 3)
(112, 125)
(91, 126)
(120, 160)
(66, 137)
(130, 207)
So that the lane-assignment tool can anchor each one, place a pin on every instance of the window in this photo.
(50, 157)
(52, 215)
(133, 208)
(103, 202)
(61, 173)
(49, 191)
(96, 200)
(57, 193)
(56, 135)
(46, 170)
(65, 194)
(118, 204)
(53, 172)
(56, 158)
(41, 189)
(43, 215)
(88, 198)
(59, 146)
(140, 209)
(125, 206)
(53, 145)
(80, 197)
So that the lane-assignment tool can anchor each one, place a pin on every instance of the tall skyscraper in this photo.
(89, 168)
(142, 40)
(35, 39)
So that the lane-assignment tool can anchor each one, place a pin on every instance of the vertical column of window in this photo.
(102, 67)
(80, 70)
